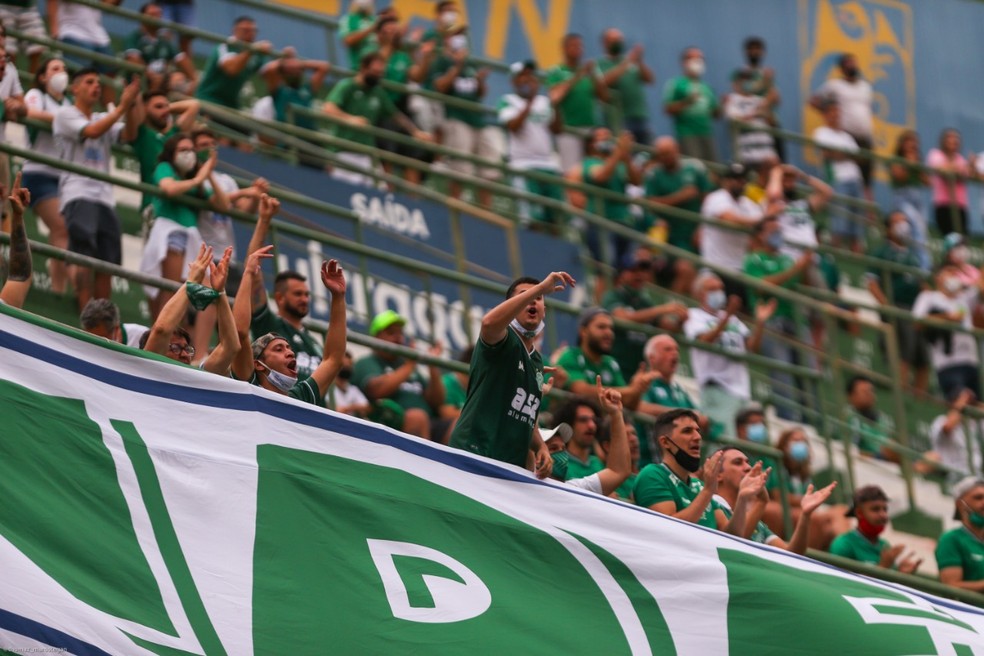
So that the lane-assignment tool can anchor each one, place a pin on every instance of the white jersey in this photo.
(92, 154)
(855, 100)
(799, 230)
(216, 228)
(963, 347)
(43, 142)
(753, 147)
(82, 23)
(845, 170)
(727, 248)
(952, 446)
(530, 147)
(10, 87)
(711, 368)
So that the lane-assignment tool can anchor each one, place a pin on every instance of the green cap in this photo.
(384, 320)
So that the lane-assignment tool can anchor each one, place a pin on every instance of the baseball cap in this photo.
(951, 241)
(384, 320)
(963, 486)
(518, 67)
(587, 315)
(734, 170)
(865, 494)
(263, 341)
(561, 430)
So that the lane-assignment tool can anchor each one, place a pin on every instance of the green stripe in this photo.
(161, 650)
(167, 539)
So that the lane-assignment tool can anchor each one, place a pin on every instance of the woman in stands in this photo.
(909, 182)
(174, 238)
(950, 183)
(43, 100)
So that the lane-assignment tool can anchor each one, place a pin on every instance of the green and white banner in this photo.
(148, 508)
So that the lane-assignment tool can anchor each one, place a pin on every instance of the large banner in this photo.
(149, 508)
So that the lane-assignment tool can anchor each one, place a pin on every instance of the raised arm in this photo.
(751, 486)
(174, 310)
(242, 313)
(333, 279)
(810, 502)
(268, 208)
(187, 113)
(232, 64)
(98, 128)
(14, 291)
(222, 357)
(434, 393)
(618, 465)
(496, 322)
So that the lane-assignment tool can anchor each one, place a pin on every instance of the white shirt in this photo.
(708, 368)
(952, 446)
(44, 141)
(81, 23)
(10, 87)
(590, 483)
(854, 99)
(349, 397)
(753, 147)
(845, 170)
(799, 230)
(721, 501)
(215, 228)
(725, 247)
(530, 147)
(91, 154)
(963, 348)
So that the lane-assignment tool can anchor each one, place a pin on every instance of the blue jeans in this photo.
(797, 391)
(178, 12)
(911, 201)
(842, 224)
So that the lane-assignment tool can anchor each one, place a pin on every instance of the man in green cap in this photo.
(506, 379)
(960, 551)
(388, 379)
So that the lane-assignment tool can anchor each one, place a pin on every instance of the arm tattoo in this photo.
(20, 252)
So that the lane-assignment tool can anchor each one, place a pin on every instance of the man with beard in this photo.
(291, 295)
(592, 358)
(505, 383)
(671, 489)
(161, 120)
(288, 86)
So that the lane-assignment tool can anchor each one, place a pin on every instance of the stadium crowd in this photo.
(582, 120)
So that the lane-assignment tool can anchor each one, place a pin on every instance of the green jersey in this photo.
(580, 369)
(147, 147)
(286, 96)
(855, 546)
(869, 434)
(696, 118)
(356, 22)
(466, 87)
(904, 287)
(454, 393)
(219, 87)
(762, 533)
(156, 52)
(303, 390)
(661, 182)
(577, 109)
(631, 96)
(629, 344)
(504, 389)
(670, 395)
(172, 208)
(372, 103)
(398, 70)
(657, 484)
(614, 210)
(624, 490)
(960, 548)
(581, 469)
(409, 395)
(760, 264)
(306, 348)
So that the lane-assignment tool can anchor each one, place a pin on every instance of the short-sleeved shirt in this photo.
(726, 248)
(172, 208)
(711, 368)
(624, 491)
(82, 23)
(762, 533)
(156, 51)
(466, 87)
(761, 264)
(629, 87)
(855, 100)
(398, 70)
(629, 344)
(581, 369)
(348, 397)
(356, 22)
(855, 546)
(799, 230)
(454, 393)
(219, 87)
(613, 210)
(656, 484)
(845, 170)
(962, 347)
(662, 182)
(947, 190)
(869, 434)
(505, 386)
(951, 446)
(372, 103)
(410, 394)
(905, 287)
(303, 390)
(42, 141)
(578, 469)
(577, 109)
(696, 119)
(670, 395)
(959, 548)
(286, 96)
(306, 348)
(148, 146)
(90, 154)
(530, 147)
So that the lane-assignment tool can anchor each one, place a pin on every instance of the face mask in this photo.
(774, 240)
(901, 230)
(959, 254)
(799, 451)
(790, 195)
(203, 155)
(524, 90)
(560, 461)
(182, 87)
(976, 519)
(716, 299)
(345, 373)
(362, 6)
(523, 332)
(695, 67)
(851, 73)
(684, 459)
(185, 161)
(58, 82)
(458, 42)
(282, 382)
(757, 433)
(754, 60)
(605, 147)
(952, 285)
(449, 18)
(370, 80)
(868, 529)
(615, 49)
(736, 193)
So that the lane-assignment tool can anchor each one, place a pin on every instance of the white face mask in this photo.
(902, 230)
(695, 67)
(449, 18)
(952, 284)
(458, 42)
(959, 254)
(58, 82)
(716, 300)
(185, 161)
(523, 332)
(282, 382)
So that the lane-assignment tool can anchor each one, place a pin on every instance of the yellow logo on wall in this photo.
(879, 33)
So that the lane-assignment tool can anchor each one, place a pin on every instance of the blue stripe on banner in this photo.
(47, 635)
(316, 419)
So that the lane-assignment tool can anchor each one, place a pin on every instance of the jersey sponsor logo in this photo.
(524, 406)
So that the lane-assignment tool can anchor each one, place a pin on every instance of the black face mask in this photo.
(790, 194)
(754, 60)
(370, 80)
(615, 49)
(685, 460)
(737, 193)
(345, 373)
(851, 73)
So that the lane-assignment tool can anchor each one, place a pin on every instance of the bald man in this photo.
(664, 394)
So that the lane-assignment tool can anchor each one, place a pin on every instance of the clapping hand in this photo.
(219, 272)
(198, 266)
(333, 278)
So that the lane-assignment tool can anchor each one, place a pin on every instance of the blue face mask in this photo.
(757, 433)
(282, 382)
(774, 240)
(799, 451)
(717, 299)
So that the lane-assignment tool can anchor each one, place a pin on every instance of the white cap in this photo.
(562, 430)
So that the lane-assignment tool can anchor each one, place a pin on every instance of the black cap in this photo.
(588, 314)
(865, 494)
(735, 170)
